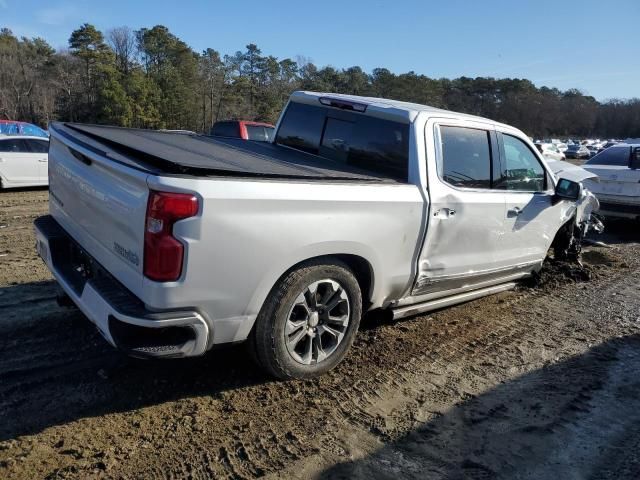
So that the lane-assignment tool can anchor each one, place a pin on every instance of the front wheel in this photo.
(308, 321)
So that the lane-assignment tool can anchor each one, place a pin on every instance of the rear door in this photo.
(18, 165)
(466, 218)
(532, 218)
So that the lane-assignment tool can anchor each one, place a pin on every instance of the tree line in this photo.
(149, 78)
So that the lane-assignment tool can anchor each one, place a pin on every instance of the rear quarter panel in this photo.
(251, 232)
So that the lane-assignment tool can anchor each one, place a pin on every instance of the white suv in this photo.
(23, 161)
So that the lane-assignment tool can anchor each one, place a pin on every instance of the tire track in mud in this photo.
(71, 407)
(405, 396)
(19, 262)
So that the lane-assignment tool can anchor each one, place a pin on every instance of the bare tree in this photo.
(122, 41)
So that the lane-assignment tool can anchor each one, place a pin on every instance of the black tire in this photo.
(267, 342)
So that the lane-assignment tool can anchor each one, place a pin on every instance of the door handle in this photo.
(514, 212)
(444, 213)
(43, 160)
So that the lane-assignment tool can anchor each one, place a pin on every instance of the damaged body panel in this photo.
(504, 222)
(174, 243)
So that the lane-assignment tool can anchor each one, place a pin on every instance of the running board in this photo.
(449, 301)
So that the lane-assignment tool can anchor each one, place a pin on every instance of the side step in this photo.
(418, 308)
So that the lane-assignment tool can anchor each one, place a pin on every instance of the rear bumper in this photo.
(120, 316)
(619, 206)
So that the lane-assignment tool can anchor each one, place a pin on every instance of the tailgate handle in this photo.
(83, 158)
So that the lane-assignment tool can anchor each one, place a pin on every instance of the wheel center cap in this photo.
(313, 319)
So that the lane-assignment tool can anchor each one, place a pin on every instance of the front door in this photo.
(466, 217)
(532, 217)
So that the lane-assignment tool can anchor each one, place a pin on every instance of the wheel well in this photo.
(563, 242)
(360, 267)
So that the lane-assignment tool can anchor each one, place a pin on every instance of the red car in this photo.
(247, 130)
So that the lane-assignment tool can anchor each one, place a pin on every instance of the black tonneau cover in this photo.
(179, 153)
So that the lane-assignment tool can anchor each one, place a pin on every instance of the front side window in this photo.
(466, 157)
(14, 145)
(521, 169)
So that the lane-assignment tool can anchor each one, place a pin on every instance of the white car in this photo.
(550, 151)
(23, 161)
(618, 189)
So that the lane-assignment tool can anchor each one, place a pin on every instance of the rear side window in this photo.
(15, 145)
(373, 144)
(616, 156)
(226, 129)
(38, 146)
(466, 157)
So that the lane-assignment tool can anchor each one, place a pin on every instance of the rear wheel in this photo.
(308, 322)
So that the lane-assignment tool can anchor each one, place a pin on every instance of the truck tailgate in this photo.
(101, 203)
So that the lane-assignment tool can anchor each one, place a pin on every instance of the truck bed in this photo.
(184, 154)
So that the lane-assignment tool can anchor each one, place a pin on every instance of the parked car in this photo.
(550, 151)
(175, 244)
(618, 188)
(23, 161)
(593, 150)
(11, 127)
(577, 151)
(257, 131)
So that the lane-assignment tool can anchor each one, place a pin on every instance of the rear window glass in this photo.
(257, 133)
(373, 144)
(226, 129)
(466, 157)
(618, 156)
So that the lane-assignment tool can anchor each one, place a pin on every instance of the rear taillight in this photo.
(163, 253)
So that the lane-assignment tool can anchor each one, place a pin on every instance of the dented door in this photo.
(466, 217)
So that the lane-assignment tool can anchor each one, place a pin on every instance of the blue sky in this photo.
(592, 45)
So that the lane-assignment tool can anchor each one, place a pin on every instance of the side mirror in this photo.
(568, 190)
(635, 158)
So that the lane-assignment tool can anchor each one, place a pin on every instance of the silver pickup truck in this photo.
(172, 244)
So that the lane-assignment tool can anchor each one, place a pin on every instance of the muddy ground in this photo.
(541, 382)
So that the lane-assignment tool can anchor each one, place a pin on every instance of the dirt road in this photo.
(537, 383)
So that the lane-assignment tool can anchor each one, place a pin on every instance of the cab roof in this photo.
(387, 107)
